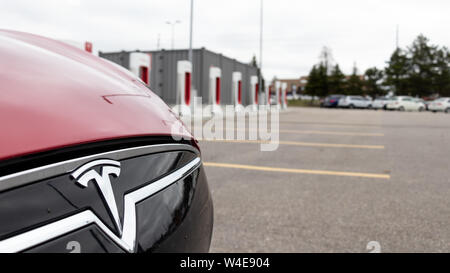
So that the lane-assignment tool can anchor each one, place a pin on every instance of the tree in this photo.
(254, 63)
(422, 71)
(336, 81)
(397, 72)
(326, 58)
(354, 84)
(323, 86)
(442, 81)
(318, 80)
(372, 82)
(313, 85)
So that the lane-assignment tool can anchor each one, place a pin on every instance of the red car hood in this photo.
(54, 95)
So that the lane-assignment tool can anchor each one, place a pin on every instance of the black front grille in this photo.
(30, 205)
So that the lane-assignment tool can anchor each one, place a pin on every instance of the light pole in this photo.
(172, 24)
(397, 35)
(191, 30)
(261, 49)
(158, 44)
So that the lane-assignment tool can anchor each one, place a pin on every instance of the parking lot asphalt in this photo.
(335, 198)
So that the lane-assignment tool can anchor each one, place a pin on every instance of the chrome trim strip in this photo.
(45, 233)
(36, 174)
(86, 167)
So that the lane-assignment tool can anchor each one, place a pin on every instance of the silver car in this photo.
(355, 102)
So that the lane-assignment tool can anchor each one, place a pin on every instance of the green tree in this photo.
(422, 70)
(397, 72)
(323, 85)
(354, 84)
(442, 80)
(372, 82)
(326, 59)
(336, 81)
(254, 63)
(318, 80)
(313, 85)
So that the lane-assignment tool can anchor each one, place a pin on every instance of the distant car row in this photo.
(440, 105)
(399, 103)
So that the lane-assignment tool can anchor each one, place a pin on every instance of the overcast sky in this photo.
(357, 31)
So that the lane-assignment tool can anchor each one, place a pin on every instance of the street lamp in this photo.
(261, 49)
(191, 30)
(172, 24)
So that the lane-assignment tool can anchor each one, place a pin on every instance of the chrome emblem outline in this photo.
(127, 241)
(86, 173)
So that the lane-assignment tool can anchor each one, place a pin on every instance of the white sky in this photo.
(361, 31)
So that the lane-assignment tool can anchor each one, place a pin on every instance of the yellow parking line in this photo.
(295, 143)
(331, 133)
(298, 171)
(314, 132)
(333, 125)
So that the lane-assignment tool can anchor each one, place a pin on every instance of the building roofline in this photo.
(175, 50)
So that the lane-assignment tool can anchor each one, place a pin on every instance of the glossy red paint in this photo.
(240, 92)
(88, 47)
(187, 88)
(256, 93)
(143, 71)
(53, 95)
(217, 90)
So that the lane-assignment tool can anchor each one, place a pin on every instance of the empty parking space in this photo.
(338, 180)
(300, 143)
(297, 157)
(295, 171)
(328, 133)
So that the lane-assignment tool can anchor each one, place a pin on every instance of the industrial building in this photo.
(160, 70)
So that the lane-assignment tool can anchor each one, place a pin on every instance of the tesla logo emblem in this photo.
(87, 173)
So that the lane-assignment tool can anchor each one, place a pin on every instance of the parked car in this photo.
(405, 103)
(426, 103)
(331, 101)
(380, 103)
(88, 162)
(418, 100)
(355, 102)
(440, 105)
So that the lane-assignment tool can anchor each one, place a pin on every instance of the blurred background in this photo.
(361, 32)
